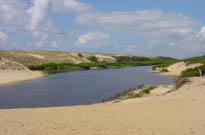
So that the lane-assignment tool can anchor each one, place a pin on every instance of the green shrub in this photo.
(199, 59)
(193, 71)
(80, 55)
(147, 90)
(131, 94)
(154, 68)
(93, 59)
(164, 70)
(138, 95)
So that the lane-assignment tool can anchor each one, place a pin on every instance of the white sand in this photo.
(11, 76)
(178, 113)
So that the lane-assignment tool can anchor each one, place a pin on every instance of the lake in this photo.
(76, 88)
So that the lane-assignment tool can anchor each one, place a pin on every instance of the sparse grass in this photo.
(116, 101)
(131, 94)
(165, 64)
(193, 71)
(147, 90)
(164, 70)
(193, 60)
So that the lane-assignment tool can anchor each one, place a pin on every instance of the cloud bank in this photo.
(170, 32)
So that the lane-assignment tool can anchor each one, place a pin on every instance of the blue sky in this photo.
(173, 28)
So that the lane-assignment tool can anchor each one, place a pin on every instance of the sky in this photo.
(173, 28)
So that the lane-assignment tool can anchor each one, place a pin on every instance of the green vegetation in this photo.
(193, 71)
(131, 94)
(122, 62)
(80, 55)
(93, 59)
(193, 60)
(64, 67)
(147, 90)
(165, 64)
(164, 70)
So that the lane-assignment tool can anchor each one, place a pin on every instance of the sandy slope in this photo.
(177, 113)
(11, 71)
(177, 68)
(11, 76)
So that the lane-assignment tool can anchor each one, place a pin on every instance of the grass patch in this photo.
(193, 71)
(165, 64)
(147, 90)
(193, 60)
(131, 94)
(164, 70)
(116, 101)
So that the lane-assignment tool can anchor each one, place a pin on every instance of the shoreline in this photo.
(33, 75)
(18, 76)
(160, 112)
(157, 114)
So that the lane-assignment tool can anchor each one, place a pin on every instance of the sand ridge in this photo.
(176, 69)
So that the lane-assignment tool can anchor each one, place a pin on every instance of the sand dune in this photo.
(11, 76)
(11, 72)
(177, 68)
(177, 113)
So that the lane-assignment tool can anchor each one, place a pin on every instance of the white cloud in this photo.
(38, 12)
(158, 30)
(39, 9)
(70, 6)
(201, 34)
(54, 44)
(3, 36)
(92, 40)
(12, 15)
(40, 43)
(169, 32)
(137, 21)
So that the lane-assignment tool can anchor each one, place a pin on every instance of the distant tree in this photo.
(80, 55)
(93, 58)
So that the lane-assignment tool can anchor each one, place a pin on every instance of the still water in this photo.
(76, 88)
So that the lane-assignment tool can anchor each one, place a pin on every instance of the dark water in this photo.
(76, 88)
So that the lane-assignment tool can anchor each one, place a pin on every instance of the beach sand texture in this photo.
(178, 113)
(11, 72)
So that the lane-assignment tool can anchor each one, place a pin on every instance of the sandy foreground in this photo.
(181, 112)
(12, 76)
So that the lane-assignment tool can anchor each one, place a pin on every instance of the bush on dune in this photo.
(193, 71)
(93, 59)
(164, 70)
